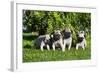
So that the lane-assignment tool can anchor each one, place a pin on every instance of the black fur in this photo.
(56, 37)
(67, 35)
(80, 39)
(47, 41)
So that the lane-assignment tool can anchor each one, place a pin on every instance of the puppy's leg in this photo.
(53, 46)
(48, 47)
(63, 49)
(83, 46)
(42, 45)
(62, 45)
(77, 45)
(85, 43)
(69, 46)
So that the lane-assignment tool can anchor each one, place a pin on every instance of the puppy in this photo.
(67, 38)
(57, 40)
(43, 41)
(81, 41)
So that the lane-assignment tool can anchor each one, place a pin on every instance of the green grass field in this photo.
(36, 55)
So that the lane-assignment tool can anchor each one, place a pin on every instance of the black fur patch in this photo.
(80, 39)
(67, 35)
(47, 41)
(56, 37)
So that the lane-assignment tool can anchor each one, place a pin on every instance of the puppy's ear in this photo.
(51, 35)
(77, 34)
(62, 32)
(85, 35)
(71, 31)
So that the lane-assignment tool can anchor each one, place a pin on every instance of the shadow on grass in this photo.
(27, 46)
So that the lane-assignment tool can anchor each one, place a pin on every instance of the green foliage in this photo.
(33, 55)
(48, 21)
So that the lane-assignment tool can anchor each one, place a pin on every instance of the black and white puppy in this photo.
(57, 40)
(81, 41)
(43, 41)
(67, 38)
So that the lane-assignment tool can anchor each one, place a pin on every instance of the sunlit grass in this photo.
(31, 54)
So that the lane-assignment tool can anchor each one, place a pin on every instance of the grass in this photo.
(36, 55)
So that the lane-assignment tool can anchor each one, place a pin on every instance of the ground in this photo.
(31, 54)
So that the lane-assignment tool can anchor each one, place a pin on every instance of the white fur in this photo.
(68, 42)
(47, 37)
(83, 43)
(60, 42)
